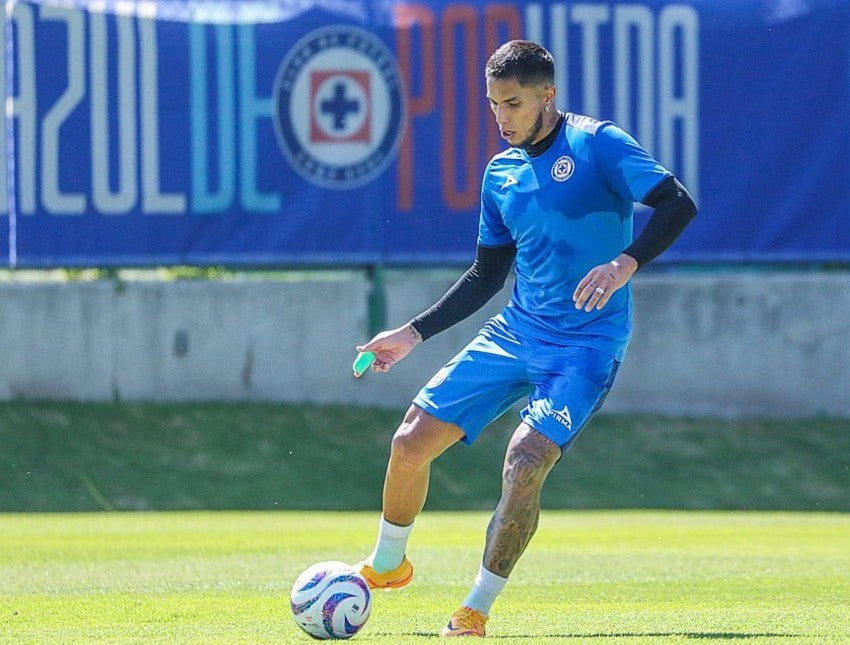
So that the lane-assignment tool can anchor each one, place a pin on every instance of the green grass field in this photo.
(588, 577)
(237, 499)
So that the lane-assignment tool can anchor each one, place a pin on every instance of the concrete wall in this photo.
(722, 344)
(773, 345)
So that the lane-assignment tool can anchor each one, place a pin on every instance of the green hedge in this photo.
(76, 457)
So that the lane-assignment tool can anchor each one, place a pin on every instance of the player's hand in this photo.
(596, 288)
(391, 346)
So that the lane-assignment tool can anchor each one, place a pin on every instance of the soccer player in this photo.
(559, 204)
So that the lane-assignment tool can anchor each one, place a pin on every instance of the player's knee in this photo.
(523, 475)
(407, 449)
(529, 460)
(420, 439)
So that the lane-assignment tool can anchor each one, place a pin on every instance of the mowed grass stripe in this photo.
(588, 576)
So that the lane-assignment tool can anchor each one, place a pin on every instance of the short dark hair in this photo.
(522, 60)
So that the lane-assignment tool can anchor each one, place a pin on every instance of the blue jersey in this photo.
(568, 210)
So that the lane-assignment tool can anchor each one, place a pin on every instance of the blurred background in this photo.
(205, 206)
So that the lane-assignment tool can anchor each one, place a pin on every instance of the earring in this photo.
(547, 108)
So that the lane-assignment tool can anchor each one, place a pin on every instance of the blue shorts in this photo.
(565, 385)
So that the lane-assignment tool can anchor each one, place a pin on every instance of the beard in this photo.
(535, 130)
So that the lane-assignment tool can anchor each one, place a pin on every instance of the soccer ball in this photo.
(331, 600)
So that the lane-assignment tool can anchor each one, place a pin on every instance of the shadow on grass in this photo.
(693, 635)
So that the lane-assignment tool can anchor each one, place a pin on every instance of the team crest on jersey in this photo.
(339, 107)
(438, 378)
(563, 168)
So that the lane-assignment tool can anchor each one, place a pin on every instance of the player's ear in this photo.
(549, 96)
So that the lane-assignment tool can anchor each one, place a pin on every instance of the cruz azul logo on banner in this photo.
(339, 107)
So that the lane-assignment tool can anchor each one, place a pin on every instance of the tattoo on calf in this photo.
(530, 458)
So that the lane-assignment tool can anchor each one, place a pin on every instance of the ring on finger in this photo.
(600, 291)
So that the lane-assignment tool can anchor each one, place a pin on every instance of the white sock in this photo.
(484, 592)
(391, 545)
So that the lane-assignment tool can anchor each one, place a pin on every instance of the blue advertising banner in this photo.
(348, 132)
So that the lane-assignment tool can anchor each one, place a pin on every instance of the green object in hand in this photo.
(362, 363)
